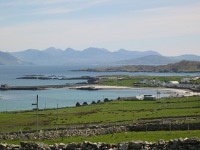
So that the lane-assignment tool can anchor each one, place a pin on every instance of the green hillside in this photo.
(183, 66)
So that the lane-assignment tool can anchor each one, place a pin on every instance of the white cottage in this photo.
(173, 83)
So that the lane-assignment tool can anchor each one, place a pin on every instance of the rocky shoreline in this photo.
(176, 144)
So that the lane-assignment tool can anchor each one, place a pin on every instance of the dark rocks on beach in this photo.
(85, 103)
(99, 101)
(107, 100)
(78, 104)
(93, 103)
(90, 88)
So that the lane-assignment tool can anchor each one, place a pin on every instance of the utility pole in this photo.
(36, 114)
(158, 94)
(57, 111)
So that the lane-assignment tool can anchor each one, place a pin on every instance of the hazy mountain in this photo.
(99, 56)
(7, 59)
(53, 56)
(126, 54)
(95, 51)
(148, 60)
(187, 57)
(31, 55)
(53, 51)
(48, 56)
(71, 51)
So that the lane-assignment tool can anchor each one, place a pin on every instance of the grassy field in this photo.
(112, 112)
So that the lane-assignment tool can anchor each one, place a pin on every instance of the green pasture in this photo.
(117, 111)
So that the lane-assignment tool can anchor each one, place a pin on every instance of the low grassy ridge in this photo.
(176, 109)
(182, 66)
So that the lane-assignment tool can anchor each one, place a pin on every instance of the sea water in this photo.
(51, 98)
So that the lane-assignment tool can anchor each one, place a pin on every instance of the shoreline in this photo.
(175, 91)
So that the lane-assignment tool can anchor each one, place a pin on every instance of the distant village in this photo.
(185, 83)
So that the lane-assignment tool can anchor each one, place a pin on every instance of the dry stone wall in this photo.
(177, 144)
(95, 130)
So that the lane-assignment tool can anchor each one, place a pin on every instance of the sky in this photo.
(170, 27)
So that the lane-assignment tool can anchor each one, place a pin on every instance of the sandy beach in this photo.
(172, 91)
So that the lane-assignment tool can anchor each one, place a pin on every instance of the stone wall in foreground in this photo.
(177, 144)
(95, 130)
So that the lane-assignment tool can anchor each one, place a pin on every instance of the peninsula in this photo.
(182, 66)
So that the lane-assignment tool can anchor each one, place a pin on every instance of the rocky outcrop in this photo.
(177, 144)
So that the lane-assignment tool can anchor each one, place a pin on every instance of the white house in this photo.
(173, 83)
(195, 78)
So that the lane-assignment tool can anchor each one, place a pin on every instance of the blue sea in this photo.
(51, 98)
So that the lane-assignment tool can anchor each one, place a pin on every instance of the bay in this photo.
(51, 98)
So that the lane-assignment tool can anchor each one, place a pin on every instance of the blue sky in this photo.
(171, 27)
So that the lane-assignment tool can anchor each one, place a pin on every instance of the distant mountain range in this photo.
(89, 56)
(53, 56)
(148, 60)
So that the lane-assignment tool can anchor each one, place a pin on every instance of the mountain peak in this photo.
(152, 52)
(95, 51)
(69, 49)
(52, 49)
(92, 49)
